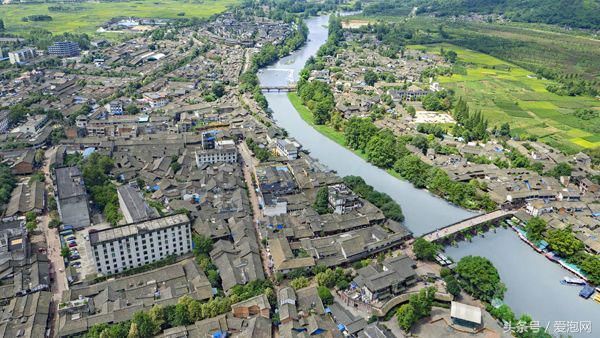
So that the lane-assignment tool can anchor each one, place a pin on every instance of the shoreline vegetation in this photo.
(315, 103)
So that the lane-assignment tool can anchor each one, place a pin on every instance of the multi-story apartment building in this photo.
(224, 151)
(3, 121)
(118, 249)
(21, 55)
(64, 49)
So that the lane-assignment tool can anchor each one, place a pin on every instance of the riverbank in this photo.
(336, 136)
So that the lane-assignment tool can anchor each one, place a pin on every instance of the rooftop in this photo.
(110, 234)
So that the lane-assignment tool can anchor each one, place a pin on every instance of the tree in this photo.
(133, 331)
(406, 316)
(563, 242)
(479, 277)
(452, 286)
(325, 295)
(504, 129)
(534, 228)
(218, 89)
(131, 109)
(300, 282)
(157, 314)
(322, 113)
(202, 244)
(561, 169)
(425, 250)
(321, 204)
(370, 77)
(65, 252)
(423, 301)
(31, 226)
(145, 325)
(411, 111)
(1, 25)
(381, 149)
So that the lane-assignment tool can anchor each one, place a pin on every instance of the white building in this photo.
(21, 55)
(156, 100)
(137, 244)
(3, 121)
(114, 107)
(224, 151)
(288, 148)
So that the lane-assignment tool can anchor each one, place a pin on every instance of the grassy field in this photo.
(87, 16)
(508, 93)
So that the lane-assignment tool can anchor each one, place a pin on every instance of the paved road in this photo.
(248, 168)
(57, 266)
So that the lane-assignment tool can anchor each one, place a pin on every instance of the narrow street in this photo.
(57, 266)
(248, 168)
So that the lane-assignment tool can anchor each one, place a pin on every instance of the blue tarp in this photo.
(88, 151)
(341, 327)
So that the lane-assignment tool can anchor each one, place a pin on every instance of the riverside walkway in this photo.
(467, 224)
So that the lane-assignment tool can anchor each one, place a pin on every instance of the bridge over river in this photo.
(289, 88)
(467, 224)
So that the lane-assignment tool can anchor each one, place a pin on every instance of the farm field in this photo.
(85, 17)
(505, 92)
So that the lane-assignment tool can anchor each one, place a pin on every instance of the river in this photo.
(532, 281)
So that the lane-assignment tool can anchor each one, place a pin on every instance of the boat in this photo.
(575, 281)
(551, 257)
(587, 291)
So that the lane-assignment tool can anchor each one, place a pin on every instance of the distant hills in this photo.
(572, 13)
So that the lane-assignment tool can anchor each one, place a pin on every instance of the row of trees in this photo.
(185, 312)
(387, 151)
(318, 98)
(564, 243)
(470, 126)
(7, 183)
(95, 171)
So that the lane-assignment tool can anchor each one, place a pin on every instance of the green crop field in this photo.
(508, 93)
(85, 17)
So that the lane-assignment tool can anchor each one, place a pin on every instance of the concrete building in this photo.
(133, 206)
(137, 244)
(342, 200)
(288, 148)
(21, 55)
(466, 315)
(81, 121)
(114, 107)
(224, 151)
(64, 49)
(3, 121)
(71, 197)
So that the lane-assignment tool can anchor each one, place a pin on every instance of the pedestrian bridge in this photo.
(285, 89)
(467, 224)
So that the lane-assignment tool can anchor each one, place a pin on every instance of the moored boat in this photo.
(575, 281)
(586, 292)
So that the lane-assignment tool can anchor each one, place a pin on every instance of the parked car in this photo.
(77, 264)
(73, 244)
(70, 238)
(74, 257)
